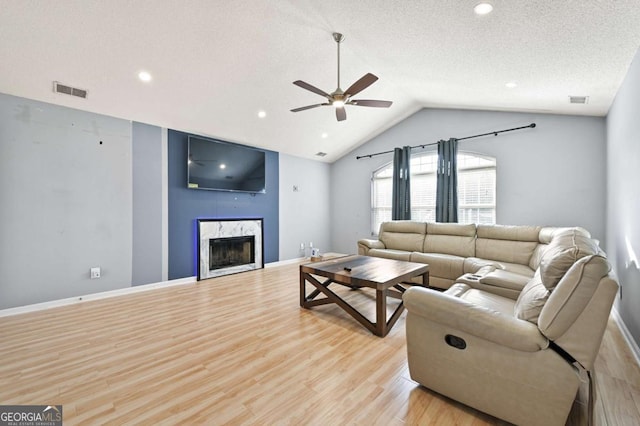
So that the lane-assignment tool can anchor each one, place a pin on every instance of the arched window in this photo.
(476, 190)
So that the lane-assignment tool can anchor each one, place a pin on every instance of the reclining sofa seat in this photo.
(503, 356)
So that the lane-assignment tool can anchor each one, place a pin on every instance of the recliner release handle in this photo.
(455, 341)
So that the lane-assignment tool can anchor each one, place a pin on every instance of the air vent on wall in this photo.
(321, 154)
(68, 90)
(578, 99)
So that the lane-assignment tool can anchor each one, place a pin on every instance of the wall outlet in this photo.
(95, 273)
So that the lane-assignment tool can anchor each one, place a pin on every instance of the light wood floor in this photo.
(240, 350)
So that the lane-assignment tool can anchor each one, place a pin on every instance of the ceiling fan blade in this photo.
(341, 114)
(361, 84)
(311, 88)
(370, 103)
(308, 107)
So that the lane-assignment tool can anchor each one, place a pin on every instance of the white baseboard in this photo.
(285, 262)
(94, 296)
(635, 350)
(119, 292)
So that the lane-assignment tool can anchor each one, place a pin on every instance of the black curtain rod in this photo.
(532, 125)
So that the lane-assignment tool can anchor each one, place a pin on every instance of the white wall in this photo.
(65, 202)
(623, 195)
(551, 175)
(305, 213)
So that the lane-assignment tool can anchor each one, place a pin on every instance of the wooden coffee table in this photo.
(383, 275)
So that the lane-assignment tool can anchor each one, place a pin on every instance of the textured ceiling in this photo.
(215, 64)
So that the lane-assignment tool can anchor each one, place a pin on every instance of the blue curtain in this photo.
(401, 207)
(447, 181)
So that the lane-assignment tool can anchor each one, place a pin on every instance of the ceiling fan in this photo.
(339, 98)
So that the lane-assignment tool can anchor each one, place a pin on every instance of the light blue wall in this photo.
(147, 204)
(65, 202)
(623, 195)
(554, 174)
(304, 212)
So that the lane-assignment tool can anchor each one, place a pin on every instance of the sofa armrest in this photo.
(476, 320)
(365, 245)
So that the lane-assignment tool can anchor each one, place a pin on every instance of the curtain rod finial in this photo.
(532, 125)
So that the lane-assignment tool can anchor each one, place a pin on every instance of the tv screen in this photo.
(223, 166)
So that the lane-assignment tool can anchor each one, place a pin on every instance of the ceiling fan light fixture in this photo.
(340, 98)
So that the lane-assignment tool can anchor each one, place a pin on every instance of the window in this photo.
(476, 190)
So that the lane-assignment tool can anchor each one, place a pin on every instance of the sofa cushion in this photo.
(571, 295)
(505, 279)
(403, 235)
(488, 300)
(563, 251)
(450, 238)
(391, 254)
(513, 244)
(441, 265)
(547, 234)
(531, 300)
(473, 264)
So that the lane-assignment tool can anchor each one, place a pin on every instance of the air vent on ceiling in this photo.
(321, 154)
(578, 99)
(68, 90)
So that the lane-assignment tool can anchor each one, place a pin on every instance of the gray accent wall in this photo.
(304, 210)
(147, 204)
(552, 175)
(65, 202)
(623, 195)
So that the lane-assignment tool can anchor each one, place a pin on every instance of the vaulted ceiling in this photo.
(216, 64)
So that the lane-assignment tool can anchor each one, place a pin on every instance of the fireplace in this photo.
(231, 251)
(229, 246)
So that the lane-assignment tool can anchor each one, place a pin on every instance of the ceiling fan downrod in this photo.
(339, 38)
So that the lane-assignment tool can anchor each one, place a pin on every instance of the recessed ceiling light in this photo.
(262, 114)
(511, 84)
(144, 76)
(223, 166)
(324, 136)
(483, 8)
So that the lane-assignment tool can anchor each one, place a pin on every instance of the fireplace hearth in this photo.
(229, 246)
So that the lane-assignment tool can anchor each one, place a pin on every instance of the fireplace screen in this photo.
(232, 251)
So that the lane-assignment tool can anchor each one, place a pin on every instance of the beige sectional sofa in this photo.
(503, 258)
(520, 328)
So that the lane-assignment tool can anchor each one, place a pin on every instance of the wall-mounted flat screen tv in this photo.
(224, 166)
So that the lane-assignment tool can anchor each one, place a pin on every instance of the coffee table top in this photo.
(365, 270)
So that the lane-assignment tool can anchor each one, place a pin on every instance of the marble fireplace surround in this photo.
(209, 229)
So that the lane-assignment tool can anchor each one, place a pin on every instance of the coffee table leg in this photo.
(425, 279)
(381, 313)
(303, 290)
